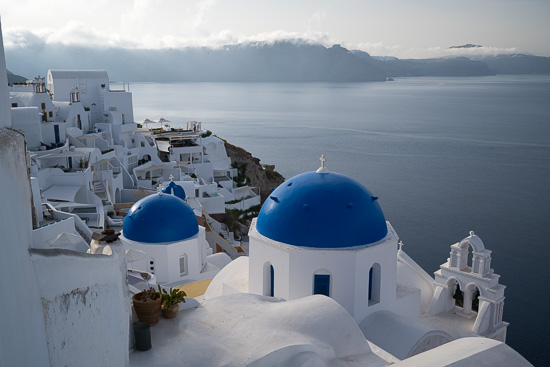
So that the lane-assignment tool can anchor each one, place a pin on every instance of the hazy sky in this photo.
(402, 28)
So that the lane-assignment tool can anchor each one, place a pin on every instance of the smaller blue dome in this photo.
(160, 218)
(175, 190)
(322, 210)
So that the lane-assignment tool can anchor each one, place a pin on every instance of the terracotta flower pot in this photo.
(147, 311)
(171, 312)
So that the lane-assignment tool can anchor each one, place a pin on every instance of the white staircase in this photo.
(99, 189)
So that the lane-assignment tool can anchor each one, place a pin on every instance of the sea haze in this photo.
(444, 156)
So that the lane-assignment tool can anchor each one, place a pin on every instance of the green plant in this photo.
(172, 297)
(150, 295)
(241, 178)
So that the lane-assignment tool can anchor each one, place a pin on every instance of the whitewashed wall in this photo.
(28, 120)
(294, 269)
(21, 313)
(84, 306)
(39, 235)
(166, 255)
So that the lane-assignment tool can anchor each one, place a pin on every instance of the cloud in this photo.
(22, 38)
(77, 34)
(380, 49)
(72, 34)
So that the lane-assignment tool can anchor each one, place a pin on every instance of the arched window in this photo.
(321, 282)
(471, 298)
(269, 280)
(458, 296)
(183, 265)
(475, 300)
(374, 284)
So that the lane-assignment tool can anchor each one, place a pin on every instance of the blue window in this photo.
(374, 284)
(321, 284)
(371, 272)
(272, 281)
(268, 288)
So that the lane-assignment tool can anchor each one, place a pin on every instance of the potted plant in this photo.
(170, 301)
(147, 305)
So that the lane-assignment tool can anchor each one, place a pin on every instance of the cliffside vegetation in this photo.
(252, 173)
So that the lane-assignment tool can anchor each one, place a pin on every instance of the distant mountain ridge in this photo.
(517, 64)
(285, 61)
(13, 78)
(261, 62)
(451, 66)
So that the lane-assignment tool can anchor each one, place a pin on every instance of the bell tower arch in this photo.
(467, 286)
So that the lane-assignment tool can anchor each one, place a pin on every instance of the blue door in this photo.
(56, 133)
(321, 284)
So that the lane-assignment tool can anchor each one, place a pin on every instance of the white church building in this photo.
(325, 233)
(165, 227)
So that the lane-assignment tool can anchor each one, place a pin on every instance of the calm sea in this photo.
(444, 156)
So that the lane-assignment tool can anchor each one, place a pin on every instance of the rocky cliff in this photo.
(262, 176)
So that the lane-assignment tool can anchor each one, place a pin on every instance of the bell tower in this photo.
(467, 286)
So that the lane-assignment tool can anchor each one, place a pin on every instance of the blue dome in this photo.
(160, 218)
(174, 189)
(322, 210)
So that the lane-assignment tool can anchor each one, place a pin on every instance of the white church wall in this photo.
(411, 274)
(190, 249)
(157, 252)
(383, 254)
(263, 252)
(167, 257)
(348, 268)
(407, 302)
(339, 264)
(77, 311)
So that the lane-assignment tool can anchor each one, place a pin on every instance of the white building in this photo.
(64, 305)
(324, 233)
(165, 227)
